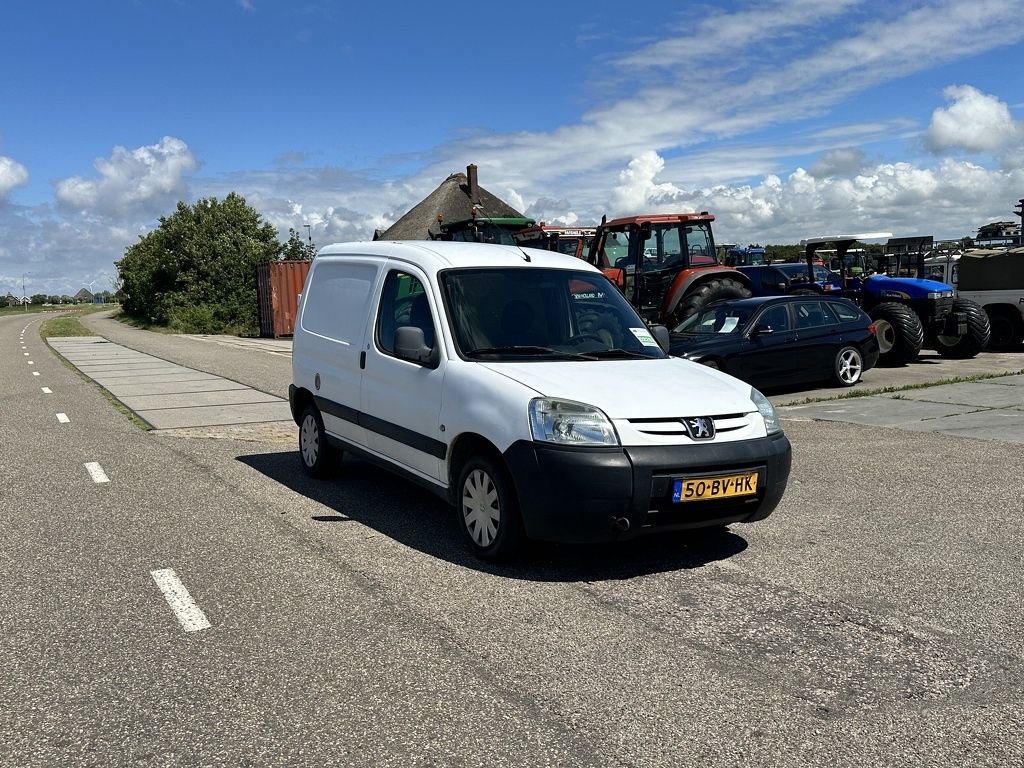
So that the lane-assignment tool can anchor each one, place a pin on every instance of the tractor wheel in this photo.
(972, 342)
(705, 293)
(1007, 328)
(899, 331)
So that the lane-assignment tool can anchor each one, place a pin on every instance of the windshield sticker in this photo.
(644, 337)
(729, 325)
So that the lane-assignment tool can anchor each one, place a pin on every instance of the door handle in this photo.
(362, 359)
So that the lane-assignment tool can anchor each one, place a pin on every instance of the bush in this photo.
(197, 319)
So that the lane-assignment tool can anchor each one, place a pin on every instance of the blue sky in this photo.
(785, 119)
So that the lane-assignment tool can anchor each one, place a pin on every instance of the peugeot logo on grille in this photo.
(700, 427)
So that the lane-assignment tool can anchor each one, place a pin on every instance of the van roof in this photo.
(435, 255)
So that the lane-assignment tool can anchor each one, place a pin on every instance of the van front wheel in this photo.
(488, 510)
(319, 458)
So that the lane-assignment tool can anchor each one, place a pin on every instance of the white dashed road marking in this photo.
(35, 373)
(189, 615)
(63, 418)
(97, 473)
(47, 391)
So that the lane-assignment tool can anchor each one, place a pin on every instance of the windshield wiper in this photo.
(617, 352)
(526, 350)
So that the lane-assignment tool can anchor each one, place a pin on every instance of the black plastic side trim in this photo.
(424, 443)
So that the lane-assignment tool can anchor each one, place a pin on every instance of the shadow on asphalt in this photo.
(403, 511)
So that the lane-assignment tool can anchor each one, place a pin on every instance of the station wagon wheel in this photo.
(318, 456)
(488, 511)
(849, 366)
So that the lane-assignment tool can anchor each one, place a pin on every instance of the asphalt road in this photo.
(874, 619)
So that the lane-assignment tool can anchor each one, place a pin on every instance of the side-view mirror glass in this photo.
(762, 330)
(409, 345)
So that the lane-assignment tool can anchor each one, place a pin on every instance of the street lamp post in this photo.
(24, 304)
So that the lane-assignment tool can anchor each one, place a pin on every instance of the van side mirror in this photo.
(762, 330)
(660, 334)
(409, 345)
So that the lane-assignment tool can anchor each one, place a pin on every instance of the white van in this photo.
(521, 386)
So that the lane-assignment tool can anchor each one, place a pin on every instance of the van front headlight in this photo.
(565, 422)
(767, 411)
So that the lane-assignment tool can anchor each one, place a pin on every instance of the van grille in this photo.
(667, 427)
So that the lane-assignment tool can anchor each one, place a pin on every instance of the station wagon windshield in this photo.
(517, 314)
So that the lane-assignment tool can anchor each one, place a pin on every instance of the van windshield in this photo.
(542, 314)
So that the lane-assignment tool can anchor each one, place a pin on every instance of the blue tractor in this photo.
(909, 312)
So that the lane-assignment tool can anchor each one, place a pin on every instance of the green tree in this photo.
(196, 272)
(38, 298)
(297, 249)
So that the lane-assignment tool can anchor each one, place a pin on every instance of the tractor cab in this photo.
(665, 264)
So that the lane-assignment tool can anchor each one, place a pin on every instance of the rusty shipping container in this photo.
(278, 287)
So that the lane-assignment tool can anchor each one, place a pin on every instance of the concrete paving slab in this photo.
(172, 397)
(139, 403)
(127, 367)
(214, 415)
(988, 394)
(172, 387)
(877, 410)
(162, 378)
(994, 424)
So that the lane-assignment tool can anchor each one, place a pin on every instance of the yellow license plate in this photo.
(722, 487)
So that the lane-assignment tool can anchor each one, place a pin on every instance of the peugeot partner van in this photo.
(522, 387)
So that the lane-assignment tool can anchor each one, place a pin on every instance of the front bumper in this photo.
(601, 494)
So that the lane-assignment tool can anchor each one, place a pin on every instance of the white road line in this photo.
(97, 473)
(189, 615)
(35, 373)
(25, 354)
(63, 418)
(30, 362)
(47, 391)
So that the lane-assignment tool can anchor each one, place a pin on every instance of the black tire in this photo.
(1007, 328)
(848, 366)
(706, 292)
(972, 342)
(319, 458)
(488, 510)
(899, 331)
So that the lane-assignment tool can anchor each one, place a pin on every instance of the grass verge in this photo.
(63, 326)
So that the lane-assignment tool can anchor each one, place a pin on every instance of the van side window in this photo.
(403, 301)
(338, 301)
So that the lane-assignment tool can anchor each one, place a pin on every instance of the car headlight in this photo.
(767, 411)
(569, 423)
(933, 295)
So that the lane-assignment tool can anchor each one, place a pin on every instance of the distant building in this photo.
(84, 296)
(458, 199)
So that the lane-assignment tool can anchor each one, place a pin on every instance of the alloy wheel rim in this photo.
(849, 366)
(481, 509)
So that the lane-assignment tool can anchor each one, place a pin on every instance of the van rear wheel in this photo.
(488, 510)
(319, 457)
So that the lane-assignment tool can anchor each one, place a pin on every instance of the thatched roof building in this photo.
(458, 198)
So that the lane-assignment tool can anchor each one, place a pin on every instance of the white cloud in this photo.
(838, 162)
(146, 178)
(12, 174)
(975, 121)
